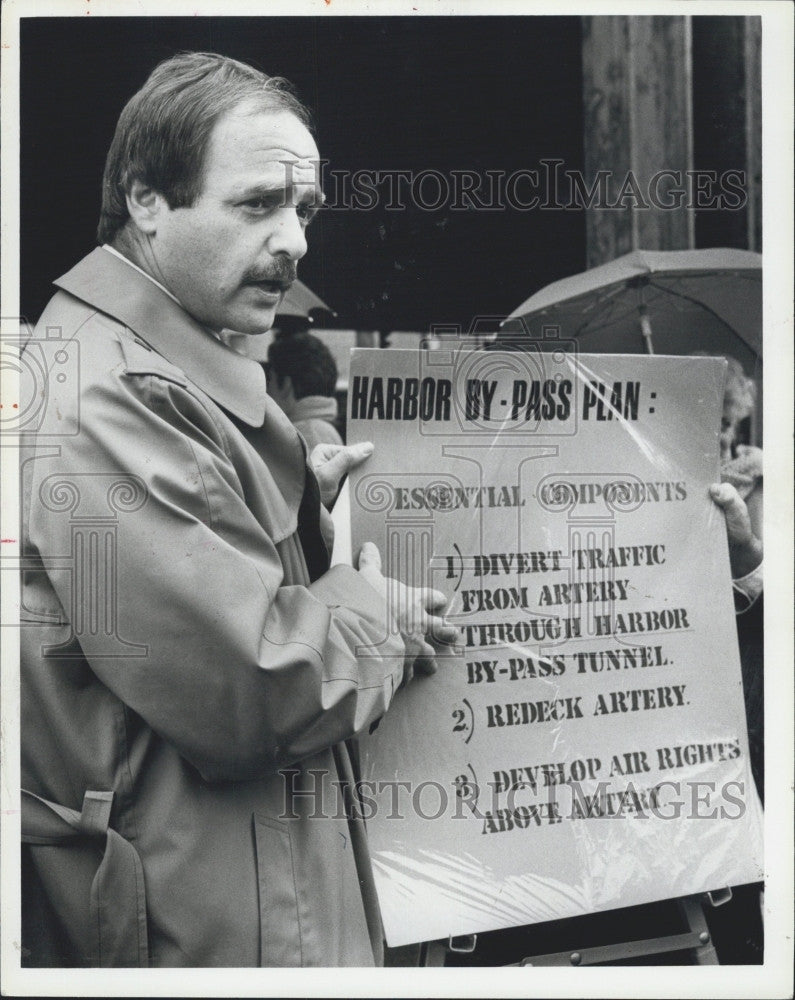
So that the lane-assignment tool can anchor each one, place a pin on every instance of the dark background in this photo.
(387, 93)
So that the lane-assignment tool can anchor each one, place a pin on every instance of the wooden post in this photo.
(753, 119)
(727, 114)
(638, 123)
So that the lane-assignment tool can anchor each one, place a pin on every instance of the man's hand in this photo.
(330, 462)
(745, 549)
(412, 608)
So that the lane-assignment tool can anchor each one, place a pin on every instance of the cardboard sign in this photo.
(586, 749)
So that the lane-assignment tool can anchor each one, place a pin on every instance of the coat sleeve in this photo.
(239, 672)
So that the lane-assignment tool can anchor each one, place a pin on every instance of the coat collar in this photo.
(104, 281)
(314, 408)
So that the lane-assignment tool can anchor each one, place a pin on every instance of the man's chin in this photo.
(253, 321)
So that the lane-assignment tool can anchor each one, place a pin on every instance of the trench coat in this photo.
(190, 667)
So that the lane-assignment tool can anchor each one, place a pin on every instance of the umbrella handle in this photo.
(645, 329)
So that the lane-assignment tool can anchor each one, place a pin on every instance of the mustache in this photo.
(282, 273)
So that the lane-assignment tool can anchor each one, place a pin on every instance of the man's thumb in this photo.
(355, 454)
(369, 557)
(722, 493)
(347, 458)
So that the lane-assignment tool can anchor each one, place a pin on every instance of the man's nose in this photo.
(287, 236)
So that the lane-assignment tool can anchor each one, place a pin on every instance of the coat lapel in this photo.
(112, 286)
(235, 382)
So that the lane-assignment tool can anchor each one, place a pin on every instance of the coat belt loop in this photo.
(95, 817)
(118, 892)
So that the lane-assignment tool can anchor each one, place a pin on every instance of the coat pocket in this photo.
(280, 926)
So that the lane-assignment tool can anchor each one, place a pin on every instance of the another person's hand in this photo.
(330, 462)
(745, 549)
(415, 611)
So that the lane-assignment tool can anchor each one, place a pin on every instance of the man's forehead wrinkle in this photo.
(272, 166)
(272, 156)
(279, 153)
(245, 181)
(262, 132)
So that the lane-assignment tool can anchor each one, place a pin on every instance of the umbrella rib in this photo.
(604, 299)
(701, 305)
(598, 321)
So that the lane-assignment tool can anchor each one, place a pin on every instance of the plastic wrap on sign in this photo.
(586, 748)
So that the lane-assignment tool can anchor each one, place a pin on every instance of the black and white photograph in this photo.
(389, 393)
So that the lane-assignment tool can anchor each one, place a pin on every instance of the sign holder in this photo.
(695, 941)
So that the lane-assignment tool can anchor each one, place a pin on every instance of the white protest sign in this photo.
(587, 748)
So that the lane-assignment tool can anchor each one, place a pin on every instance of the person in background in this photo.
(302, 377)
(737, 928)
(741, 464)
(739, 494)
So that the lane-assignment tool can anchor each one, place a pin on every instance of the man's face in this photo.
(230, 257)
(728, 433)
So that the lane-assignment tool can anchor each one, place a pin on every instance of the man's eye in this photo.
(258, 204)
(306, 211)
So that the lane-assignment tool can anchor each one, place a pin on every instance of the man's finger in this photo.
(359, 452)
(433, 600)
(425, 661)
(738, 522)
(369, 557)
(723, 494)
(330, 466)
(441, 631)
(321, 453)
(347, 458)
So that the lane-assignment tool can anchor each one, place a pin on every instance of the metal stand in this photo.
(695, 942)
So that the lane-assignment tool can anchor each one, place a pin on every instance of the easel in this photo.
(694, 942)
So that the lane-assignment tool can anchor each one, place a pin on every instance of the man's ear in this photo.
(145, 206)
(283, 385)
(279, 388)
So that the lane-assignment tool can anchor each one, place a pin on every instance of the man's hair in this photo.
(739, 395)
(739, 391)
(308, 362)
(162, 134)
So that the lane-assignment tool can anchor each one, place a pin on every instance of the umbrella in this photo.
(668, 302)
(301, 301)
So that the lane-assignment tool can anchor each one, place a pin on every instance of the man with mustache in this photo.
(191, 668)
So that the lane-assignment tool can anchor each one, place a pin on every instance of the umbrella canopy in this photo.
(301, 301)
(664, 302)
